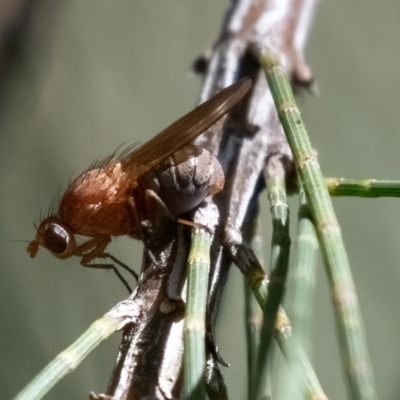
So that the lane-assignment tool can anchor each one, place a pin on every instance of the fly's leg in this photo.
(156, 218)
(138, 225)
(112, 267)
(122, 265)
(160, 210)
(157, 206)
(109, 266)
(94, 249)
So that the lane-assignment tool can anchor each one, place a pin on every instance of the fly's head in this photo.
(55, 236)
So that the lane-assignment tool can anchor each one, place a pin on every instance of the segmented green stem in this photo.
(303, 274)
(258, 283)
(362, 188)
(194, 332)
(280, 249)
(70, 358)
(253, 314)
(355, 356)
(302, 282)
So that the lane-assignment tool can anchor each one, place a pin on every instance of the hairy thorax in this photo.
(98, 202)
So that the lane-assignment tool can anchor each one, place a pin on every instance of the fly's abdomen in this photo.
(185, 179)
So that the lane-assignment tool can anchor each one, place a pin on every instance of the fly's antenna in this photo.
(33, 245)
(21, 240)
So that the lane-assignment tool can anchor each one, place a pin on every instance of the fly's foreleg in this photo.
(94, 249)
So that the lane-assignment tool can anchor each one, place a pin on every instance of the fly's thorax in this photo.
(97, 202)
(185, 179)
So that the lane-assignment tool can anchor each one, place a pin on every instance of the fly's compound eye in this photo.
(58, 238)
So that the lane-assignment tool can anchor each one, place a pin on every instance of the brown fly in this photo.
(116, 195)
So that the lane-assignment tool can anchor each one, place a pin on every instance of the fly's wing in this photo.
(183, 131)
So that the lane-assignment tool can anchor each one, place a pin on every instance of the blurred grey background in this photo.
(94, 75)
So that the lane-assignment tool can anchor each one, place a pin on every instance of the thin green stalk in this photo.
(280, 249)
(362, 188)
(253, 315)
(302, 278)
(258, 283)
(354, 351)
(280, 246)
(195, 316)
(312, 386)
(304, 273)
(70, 358)
(254, 318)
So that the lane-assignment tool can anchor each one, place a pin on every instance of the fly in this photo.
(115, 196)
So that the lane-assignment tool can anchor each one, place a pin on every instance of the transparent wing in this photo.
(183, 131)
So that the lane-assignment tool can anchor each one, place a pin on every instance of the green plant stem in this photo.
(354, 351)
(362, 188)
(258, 283)
(70, 358)
(302, 282)
(304, 274)
(280, 249)
(253, 313)
(194, 331)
